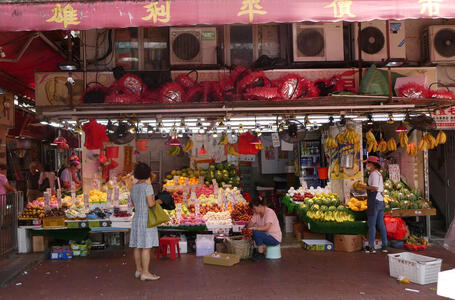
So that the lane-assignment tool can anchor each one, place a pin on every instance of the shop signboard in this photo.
(394, 172)
(276, 140)
(83, 15)
(445, 118)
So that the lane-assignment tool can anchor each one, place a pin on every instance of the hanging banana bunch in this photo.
(403, 138)
(371, 141)
(382, 147)
(430, 140)
(441, 138)
(331, 143)
(189, 145)
(411, 149)
(391, 144)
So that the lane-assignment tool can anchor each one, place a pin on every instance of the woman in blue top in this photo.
(142, 239)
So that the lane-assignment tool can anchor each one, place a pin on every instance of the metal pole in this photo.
(426, 180)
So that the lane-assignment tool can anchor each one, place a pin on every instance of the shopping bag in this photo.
(156, 216)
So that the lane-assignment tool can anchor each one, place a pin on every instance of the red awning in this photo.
(18, 74)
(118, 14)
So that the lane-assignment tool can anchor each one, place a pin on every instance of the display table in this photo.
(403, 213)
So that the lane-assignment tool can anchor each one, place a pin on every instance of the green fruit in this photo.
(315, 207)
(169, 177)
(332, 208)
(340, 208)
(326, 201)
(324, 208)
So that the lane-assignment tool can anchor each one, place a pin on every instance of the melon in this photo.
(315, 207)
(332, 208)
(326, 201)
(324, 208)
(340, 208)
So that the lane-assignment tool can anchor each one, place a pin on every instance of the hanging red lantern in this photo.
(290, 87)
(412, 90)
(172, 93)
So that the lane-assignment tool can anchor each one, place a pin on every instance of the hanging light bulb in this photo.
(150, 129)
(241, 130)
(215, 134)
(401, 128)
(257, 129)
(390, 120)
(201, 130)
(180, 134)
(307, 121)
(221, 123)
(281, 127)
(370, 119)
(182, 124)
(407, 119)
(160, 127)
(331, 121)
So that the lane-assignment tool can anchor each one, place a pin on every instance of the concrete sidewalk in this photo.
(15, 265)
(298, 275)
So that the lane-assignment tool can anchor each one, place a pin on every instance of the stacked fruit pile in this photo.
(33, 210)
(55, 212)
(402, 197)
(298, 197)
(241, 212)
(327, 208)
(97, 196)
(357, 205)
(77, 213)
(183, 175)
(224, 173)
(218, 218)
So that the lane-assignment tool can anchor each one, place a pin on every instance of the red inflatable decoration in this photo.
(262, 93)
(172, 93)
(309, 89)
(254, 79)
(413, 90)
(133, 84)
(441, 94)
(185, 81)
(290, 87)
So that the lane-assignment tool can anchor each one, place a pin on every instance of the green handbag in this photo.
(157, 216)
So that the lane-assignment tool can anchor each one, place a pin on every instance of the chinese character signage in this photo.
(445, 118)
(82, 15)
(394, 173)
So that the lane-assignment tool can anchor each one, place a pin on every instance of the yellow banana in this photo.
(340, 138)
(441, 137)
(231, 150)
(224, 140)
(403, 137)
(189, 145)
(423, 145)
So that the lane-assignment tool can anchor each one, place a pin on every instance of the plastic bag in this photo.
(396, 228)
(376, 82)
(449, 241)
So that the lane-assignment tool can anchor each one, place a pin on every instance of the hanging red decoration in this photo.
(172, 93)
(441, 94)
(185, 81)
(262, 93)
(412, 90)
(151, 96)
(254, 79)
(237, 73)
(95, 135)
(194, 94)
(202, 151)
(290, 87)
(119, 94)
(309, 89)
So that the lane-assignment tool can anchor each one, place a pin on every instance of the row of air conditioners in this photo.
(322, 42)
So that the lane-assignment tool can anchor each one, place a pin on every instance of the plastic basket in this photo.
(240, 247)
(416, 268)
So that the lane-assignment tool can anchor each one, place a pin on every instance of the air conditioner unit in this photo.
(193, 45)
(440, 43)
(374, 40)
(318, 41)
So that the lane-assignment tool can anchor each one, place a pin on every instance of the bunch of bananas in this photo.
(403, 138)
(411, 149)
(189, 145)
(174, 151)
(391, 144)
(431, 141)
(416, 241)
(382, 147)
(331, 216)
(224, 140)
(231, 150)
(371, 141)
(351, 136)
(441, 138)
(331, 143)
(340, 138)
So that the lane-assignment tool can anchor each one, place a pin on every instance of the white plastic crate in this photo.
(417, 268)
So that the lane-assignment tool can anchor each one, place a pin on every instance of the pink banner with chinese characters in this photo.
(119, 14)
(445, 118)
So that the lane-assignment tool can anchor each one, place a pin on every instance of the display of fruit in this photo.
(241, 212)
(33, 210)
(298, 197)
(99, 213)
(55, 212)
(357, 205)
(247, 234)
(97, 196)
(326, 208)
(351, 136)
(431, 141)
(358, 185)
(122, 214)
(177, 196)
(224, 173)
(204, 190)
(382, 146)
(77, 213)
(402, 197)
(218, 218)
(331, 143)
(340, 138)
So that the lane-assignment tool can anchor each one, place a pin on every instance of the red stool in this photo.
(173, 243)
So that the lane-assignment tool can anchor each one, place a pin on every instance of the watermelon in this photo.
(310, 202)
(340, 207)
(332, 208)
(324, 208)
(335, 202)
(326, 201)
(315, 207)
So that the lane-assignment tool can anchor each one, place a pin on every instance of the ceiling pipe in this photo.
(228, 110)
(52, 45)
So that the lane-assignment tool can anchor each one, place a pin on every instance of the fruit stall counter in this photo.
(403, 213)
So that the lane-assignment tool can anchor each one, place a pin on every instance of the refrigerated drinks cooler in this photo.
(310, 161)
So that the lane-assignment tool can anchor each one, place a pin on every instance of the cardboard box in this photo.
(313, 236)
(222, 259)
(39, 243)
(348, 243)
(317, 245)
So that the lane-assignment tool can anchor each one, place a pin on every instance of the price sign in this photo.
(197, 207)
(86, 200)
(73, 191)
(303, 182)
(248, 157)
(178, 210)
(445, 118)
(47, 201)
(116, 195)
(96, 183)
(394, 172)
(59, 198)
(275, 140)
(109, 197)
